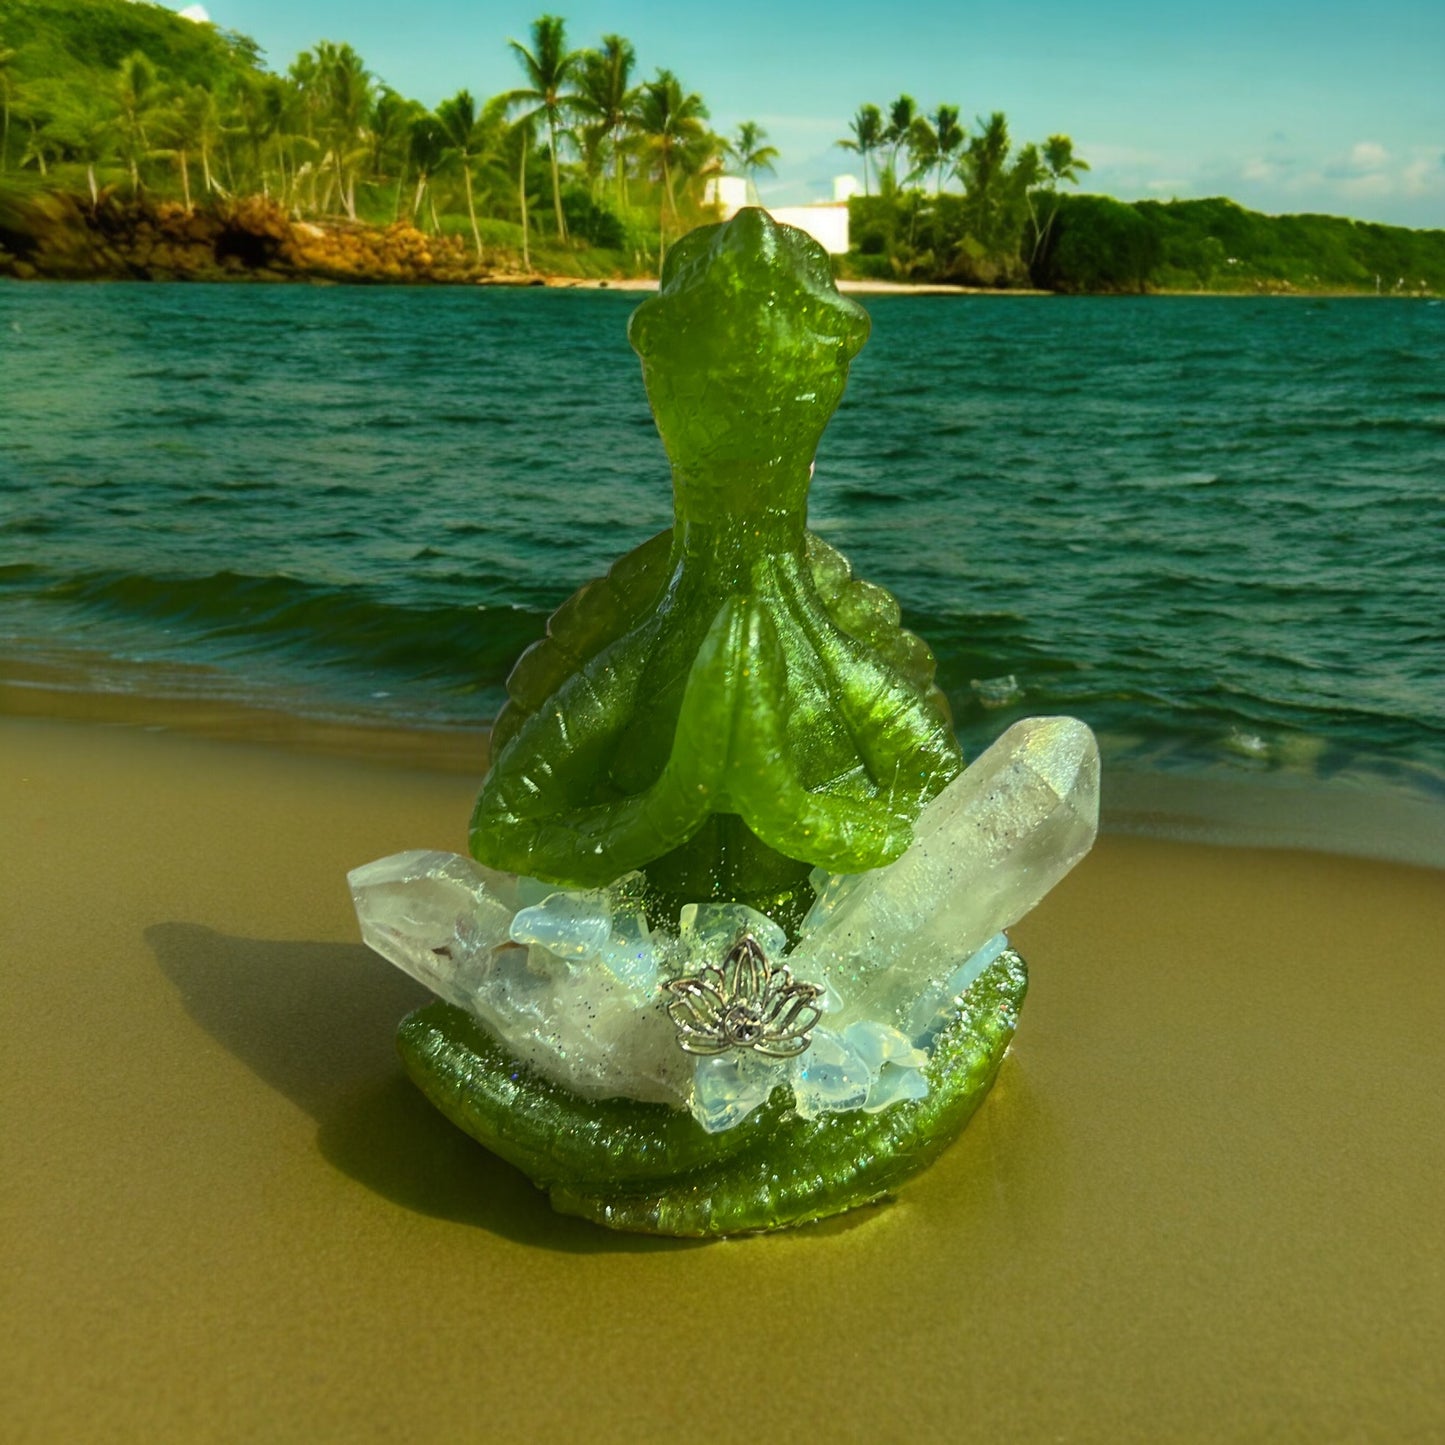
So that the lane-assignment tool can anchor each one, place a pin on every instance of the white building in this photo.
(825, 221)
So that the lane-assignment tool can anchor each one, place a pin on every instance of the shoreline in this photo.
(56, 236)
(1279, 810)
(1207, 1157)
(547, 281)
(848, 287)
(845, 287)
(60, 235)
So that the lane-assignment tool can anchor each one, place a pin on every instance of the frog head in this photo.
(745, 352)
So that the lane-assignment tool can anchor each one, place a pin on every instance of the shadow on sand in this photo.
(315, 1021)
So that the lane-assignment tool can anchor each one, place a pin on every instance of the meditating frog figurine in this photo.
(727, 709)
(729, 952)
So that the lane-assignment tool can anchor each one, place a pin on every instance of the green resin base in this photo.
(649, 1169)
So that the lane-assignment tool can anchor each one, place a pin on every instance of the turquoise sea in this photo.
(1212, 527)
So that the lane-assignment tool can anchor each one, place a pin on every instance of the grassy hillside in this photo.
(60, 38)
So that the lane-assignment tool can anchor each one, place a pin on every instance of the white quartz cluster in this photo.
(573, 984)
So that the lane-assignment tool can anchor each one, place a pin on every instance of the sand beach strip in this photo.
(1203, 1201)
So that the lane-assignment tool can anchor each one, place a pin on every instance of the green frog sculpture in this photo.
(728, 953)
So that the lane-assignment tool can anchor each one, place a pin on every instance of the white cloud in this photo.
(1369, 173)
(1375, 183)
(1368, 155)
(1424, 176)
(1102, 156)
(1258, 170)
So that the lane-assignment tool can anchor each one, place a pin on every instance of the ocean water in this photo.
(1211, 527)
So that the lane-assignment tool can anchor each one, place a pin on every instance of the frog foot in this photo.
(652, 1169)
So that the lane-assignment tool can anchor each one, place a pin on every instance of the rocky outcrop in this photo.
(56, 236)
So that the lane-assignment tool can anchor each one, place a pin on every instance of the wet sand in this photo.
(1202, 1203)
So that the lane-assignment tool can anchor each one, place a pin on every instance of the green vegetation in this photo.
(967, 208)
(1214, 245)
(950, 205)
(127, 103)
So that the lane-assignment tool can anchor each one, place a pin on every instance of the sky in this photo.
(1328, 106)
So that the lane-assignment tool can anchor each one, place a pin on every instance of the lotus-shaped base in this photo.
(652, 1169)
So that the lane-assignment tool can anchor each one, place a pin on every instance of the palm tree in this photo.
(922, 146)
(427, 147)
(300, 122)
(901, 116)
(670, 122)
(1021, 179)
(867, 137)
(35, 104)
(548, 66)
(190, 121)
(7, 63)
(345, 85)
(982, 168)
(603, 91)
(949, 138)
(465, 140)
(389, 132)
(520, 136)
(258, 111)
(1059, 164)
(139, 106)
(81, 124)
(749, 151)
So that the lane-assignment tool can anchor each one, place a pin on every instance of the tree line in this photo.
(954, 203)
(585, 164)
(581, 150)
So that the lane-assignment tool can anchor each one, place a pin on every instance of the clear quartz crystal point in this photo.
(436, 916)
(568, 983)
(985, 851)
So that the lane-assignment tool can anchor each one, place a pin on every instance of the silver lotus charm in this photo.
(744, 1003)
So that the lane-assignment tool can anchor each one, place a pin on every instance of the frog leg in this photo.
(902, 738)
(557, 754)
(762, 783)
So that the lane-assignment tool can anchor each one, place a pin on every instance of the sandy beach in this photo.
(1201, 1203)
(848, 288)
